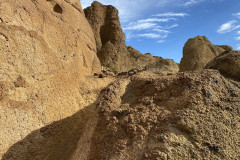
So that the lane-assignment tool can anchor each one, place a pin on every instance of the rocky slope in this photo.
(198, 51)
(46, 48)
(151, 115)
(111, 47)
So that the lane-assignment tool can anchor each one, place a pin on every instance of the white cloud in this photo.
(228, 27)
(140, 26)
(191, 2)
(171, 14)
(161, 30)
(238, 32)
(172, 26)
(160, 41)
(152, 35)
(236, 15)
(237, 38)
(238, 47)
(155, 20)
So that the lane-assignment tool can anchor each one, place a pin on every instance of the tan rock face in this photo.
(111, 47)
(46, 49)
(228, 64)
(110, 40)
(197, 52)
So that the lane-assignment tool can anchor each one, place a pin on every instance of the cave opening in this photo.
(57, 8)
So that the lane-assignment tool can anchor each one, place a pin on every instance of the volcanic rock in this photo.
(198, 51)
(182, 116)
(227, 63)
(110, 40)
(46, 49)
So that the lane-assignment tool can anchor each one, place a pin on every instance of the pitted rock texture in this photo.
(228, 64)
(111, 47)
(46, 49)
(155, 116)
(198, 51)
(110, 40)
(150, 115)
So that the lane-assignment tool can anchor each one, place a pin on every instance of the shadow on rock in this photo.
(57, 141)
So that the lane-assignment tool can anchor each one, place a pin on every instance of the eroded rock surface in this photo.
(155, 116)
(149, 62)
(228, 64)
(46, 49)
(110, 40)
(198, 51)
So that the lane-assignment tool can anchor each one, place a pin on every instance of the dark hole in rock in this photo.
(58, 9)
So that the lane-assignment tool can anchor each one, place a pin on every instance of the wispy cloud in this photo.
(238, 32)
(171, 14)
(160, 41)
(228, 27)
(139, 26)
(152, 35)
(237, 38)
(236, 15)
(153, 27)
(191, 2)
(238, 47)
(155, 20)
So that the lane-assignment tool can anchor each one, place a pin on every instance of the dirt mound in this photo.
(198, 51)
(182, 116)
(228, 64)
(46, 49)
(111, 47)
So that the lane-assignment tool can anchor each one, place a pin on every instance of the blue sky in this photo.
(161, 27)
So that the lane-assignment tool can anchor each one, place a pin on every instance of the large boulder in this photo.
(228, 64)
(198, 51)
(46, 49)
(110, 40)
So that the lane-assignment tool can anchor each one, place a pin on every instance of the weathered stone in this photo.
(198, 51)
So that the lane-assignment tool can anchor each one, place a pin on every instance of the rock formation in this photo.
(198, 51)
(228, 64)
(51, 107)
(149, 62)
(110, 40)
(46, 48)
(111, 47)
